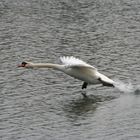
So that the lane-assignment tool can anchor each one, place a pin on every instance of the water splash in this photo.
(124, 87)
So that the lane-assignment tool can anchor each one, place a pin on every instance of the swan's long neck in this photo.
(47, 65)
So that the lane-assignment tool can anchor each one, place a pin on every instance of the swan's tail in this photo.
(106, 83)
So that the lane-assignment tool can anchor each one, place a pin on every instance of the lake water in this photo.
(42, 104)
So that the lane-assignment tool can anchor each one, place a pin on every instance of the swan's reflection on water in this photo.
(137, 91)
(83, 107)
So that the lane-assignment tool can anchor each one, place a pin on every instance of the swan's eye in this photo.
(23, 64)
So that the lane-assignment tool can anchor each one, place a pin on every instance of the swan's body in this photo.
(77, 69)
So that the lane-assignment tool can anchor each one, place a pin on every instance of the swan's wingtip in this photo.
(73, 61)
(68, 58)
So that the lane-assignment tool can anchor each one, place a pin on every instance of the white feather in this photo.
(71, 62)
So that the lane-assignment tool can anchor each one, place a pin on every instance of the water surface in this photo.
(43, 104)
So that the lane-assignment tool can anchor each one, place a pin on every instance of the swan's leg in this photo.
(84, 86)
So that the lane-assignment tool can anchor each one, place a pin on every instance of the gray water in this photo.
(42, 104)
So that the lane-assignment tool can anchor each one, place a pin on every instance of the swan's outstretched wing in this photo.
(72, 62)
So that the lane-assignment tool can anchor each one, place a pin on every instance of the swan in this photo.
(75, 68)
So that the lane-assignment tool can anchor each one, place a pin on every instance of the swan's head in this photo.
(26, 64)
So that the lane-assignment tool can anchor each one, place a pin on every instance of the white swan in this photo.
(75, 68)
